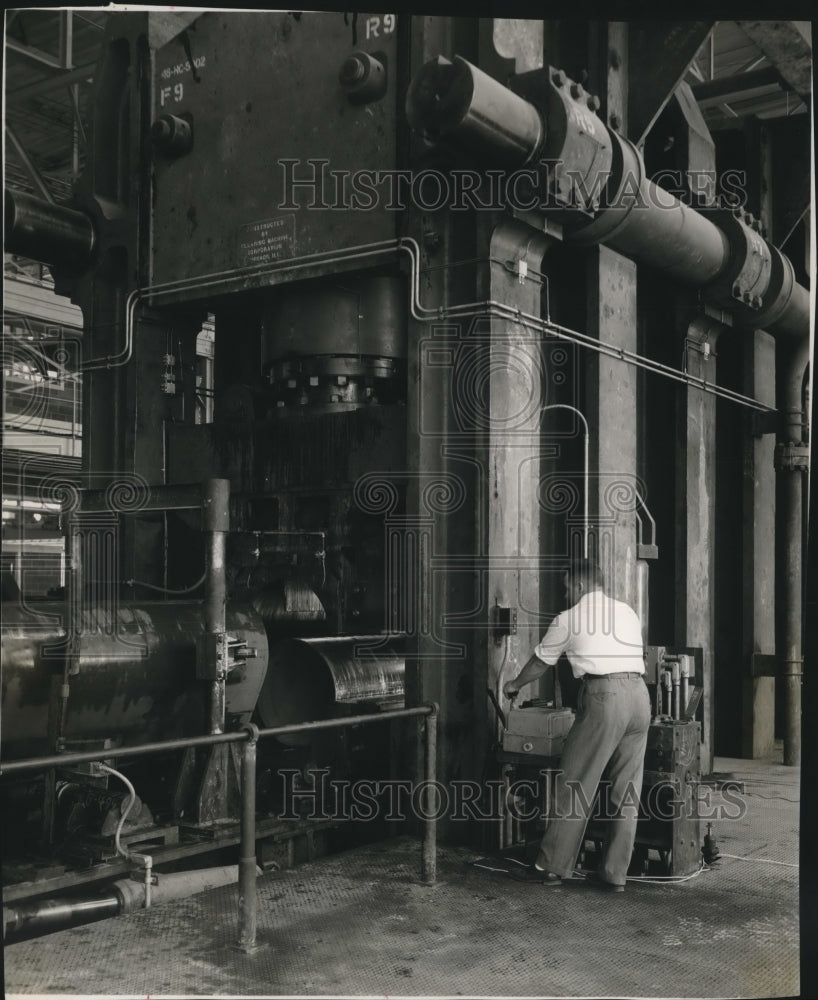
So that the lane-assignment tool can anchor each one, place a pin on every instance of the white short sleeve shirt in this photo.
(598, 635)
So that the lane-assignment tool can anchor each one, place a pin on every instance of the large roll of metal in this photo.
(308, 678)
(135, 678)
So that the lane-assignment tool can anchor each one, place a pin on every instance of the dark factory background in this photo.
(328, 339)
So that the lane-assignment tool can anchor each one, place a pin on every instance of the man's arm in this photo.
(546, 653)
(531, 671)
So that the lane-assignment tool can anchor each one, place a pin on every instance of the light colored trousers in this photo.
(608, 737)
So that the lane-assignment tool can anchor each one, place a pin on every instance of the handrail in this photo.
(248, 736)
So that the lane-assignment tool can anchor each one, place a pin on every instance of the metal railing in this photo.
(248, 736)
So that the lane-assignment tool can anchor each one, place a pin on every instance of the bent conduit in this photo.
(456, 105)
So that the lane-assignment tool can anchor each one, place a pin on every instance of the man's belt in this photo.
(617, 673)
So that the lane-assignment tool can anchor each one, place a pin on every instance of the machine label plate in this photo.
(266, 241)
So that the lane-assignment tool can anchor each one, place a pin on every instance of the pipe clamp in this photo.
(792, 457)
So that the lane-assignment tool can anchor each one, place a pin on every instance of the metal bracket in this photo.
(764, 422)
(212, 654)
(763, 665)
(792, 457)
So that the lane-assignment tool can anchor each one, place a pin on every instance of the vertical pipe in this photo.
(215, 523)
(428, 860)
(791, 493)
(675, 676)
(248, 900)
(791, 467)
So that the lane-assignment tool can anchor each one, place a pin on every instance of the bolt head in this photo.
(313, 380)
(577, 91)
(558, 78)
(352, 71)
(594, 102)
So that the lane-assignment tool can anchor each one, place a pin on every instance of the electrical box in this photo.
(537, 731)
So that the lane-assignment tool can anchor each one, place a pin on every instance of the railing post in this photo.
(428, 855)
(248, 899)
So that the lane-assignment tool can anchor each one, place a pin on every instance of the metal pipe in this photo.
(428, 856)
(685, 670)
(791, 467)
(666, 684)
(239, 736)
(31, 919)
(248, 898)
(46, 232)
(215, 523)
(455, 102)
(675, 677)
(637, 217)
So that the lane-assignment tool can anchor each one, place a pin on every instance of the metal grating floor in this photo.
(359, 923)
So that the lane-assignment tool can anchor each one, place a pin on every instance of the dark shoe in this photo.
(595, 881)
(534, 875)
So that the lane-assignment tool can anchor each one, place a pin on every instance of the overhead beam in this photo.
(660, 53)
(729, 86)
(784, 44)
(31, 170)
(52, 83)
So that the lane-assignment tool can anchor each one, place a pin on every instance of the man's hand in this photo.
(511, 688)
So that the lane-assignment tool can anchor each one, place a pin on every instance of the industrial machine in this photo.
(418, 245)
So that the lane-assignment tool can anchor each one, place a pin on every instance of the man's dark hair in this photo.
(587, 571)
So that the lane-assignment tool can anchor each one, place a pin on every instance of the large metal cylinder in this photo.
(308, 678)
(457, 104)
(342, 344)
(642, 220)
(135, 679)
(52, 234)
(356, 317)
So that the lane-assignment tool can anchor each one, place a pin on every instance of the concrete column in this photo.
(758, 555)
(696, 516)
(612, 417)
(513, 372)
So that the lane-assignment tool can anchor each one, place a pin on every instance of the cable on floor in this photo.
(761, 861)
